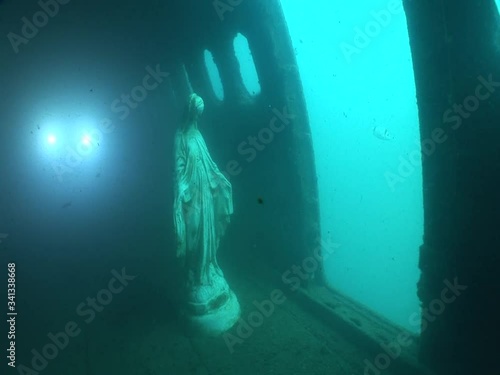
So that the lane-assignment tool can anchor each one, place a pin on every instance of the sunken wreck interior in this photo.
(461, 200)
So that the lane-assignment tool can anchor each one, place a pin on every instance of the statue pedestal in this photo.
(210, 310)
(216, 321)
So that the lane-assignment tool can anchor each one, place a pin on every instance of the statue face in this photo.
(200, 105)
(195, 108)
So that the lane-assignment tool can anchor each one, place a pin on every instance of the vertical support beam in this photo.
(229, 69)
(452, 55)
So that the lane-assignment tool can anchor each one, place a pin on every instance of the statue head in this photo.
(194, 110)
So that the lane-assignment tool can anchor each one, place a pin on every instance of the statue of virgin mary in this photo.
(202, 208)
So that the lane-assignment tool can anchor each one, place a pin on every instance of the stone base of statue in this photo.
(211, 309)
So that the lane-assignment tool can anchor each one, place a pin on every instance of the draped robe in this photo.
(202, 206)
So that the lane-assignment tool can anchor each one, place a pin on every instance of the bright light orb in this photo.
(86, 140)
(51, 139)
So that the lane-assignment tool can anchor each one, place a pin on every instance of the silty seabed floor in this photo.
(289, 341)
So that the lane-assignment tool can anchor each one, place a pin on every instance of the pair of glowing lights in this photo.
(86, 140)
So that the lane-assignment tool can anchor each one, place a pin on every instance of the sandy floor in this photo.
(289, 341)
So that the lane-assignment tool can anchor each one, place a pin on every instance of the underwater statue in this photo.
(203, 204)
